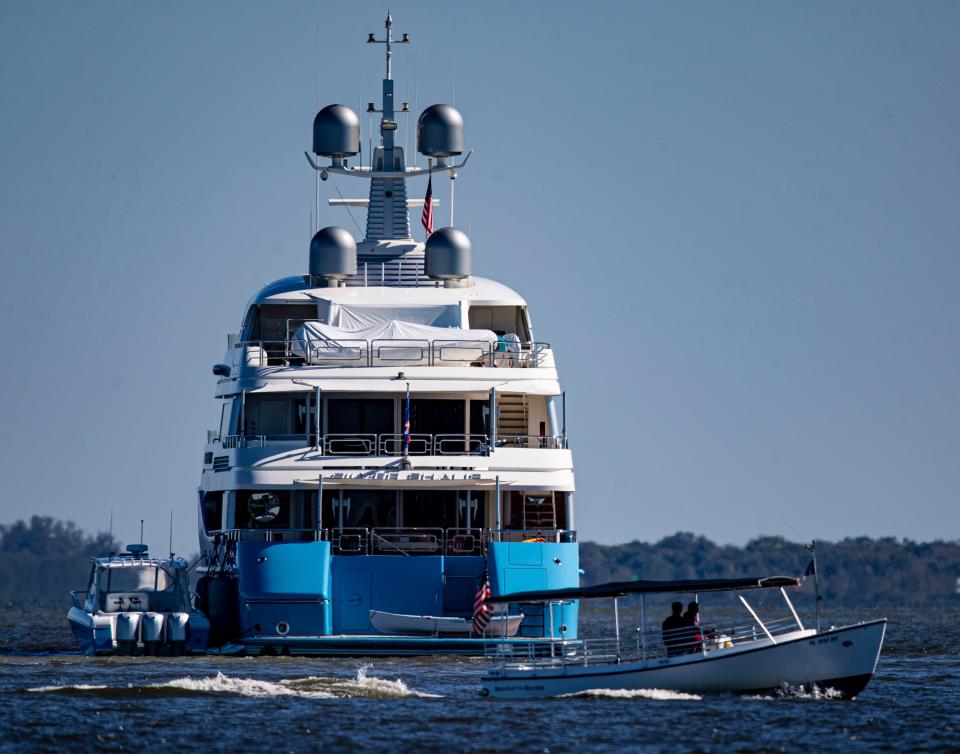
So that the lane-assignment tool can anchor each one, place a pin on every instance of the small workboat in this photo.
(396, 624)
(135, 604)
(758, 657)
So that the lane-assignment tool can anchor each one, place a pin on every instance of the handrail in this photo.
(531, 535)
(675, 645)
(359, 352)
(410, 540)
(393, 444)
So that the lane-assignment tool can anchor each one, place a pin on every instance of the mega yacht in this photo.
(392, 446)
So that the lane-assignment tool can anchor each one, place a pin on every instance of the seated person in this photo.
(672, 630)
(692, 636)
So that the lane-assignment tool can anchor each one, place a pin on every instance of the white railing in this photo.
(409, 540)
(639, 646)
(389, 352)
(392, 444)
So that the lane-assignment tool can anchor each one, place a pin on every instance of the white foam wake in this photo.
(76, 687)
(311, 687)
(801, 692)
(363, 685)
(658, 694)
(225, 684)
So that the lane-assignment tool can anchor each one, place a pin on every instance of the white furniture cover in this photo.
(391, 341)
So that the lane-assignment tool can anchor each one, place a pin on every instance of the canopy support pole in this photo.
(792, 610)
(616, 623)
(643, 624)
(757, 619)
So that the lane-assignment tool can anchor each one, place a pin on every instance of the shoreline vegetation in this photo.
(855, 570)
(42, 559)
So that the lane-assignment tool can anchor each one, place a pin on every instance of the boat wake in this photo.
(657, 694)
(800, 692)
(363, 686)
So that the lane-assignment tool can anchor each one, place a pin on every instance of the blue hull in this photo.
(298, 598)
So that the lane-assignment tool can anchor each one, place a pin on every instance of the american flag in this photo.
(481, 610)
(427, 217)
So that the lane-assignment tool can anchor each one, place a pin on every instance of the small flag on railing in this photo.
(427, 217)
(406, 424)
(481, 610)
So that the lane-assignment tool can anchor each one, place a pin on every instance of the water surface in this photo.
(53, 700)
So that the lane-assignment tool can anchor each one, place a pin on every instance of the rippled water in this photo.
(53, 700)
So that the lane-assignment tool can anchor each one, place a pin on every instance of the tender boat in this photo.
(758, 657)
(135, 604)
(433, 625)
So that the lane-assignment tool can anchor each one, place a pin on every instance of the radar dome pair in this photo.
(336, 132)
(333, 256)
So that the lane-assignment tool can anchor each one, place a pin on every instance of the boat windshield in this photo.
(140, 578)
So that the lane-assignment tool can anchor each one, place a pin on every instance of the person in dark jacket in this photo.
(673, 629)
(692, 636)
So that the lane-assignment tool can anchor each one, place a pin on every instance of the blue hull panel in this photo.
(299, 598)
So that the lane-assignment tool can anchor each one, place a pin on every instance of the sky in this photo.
(736, 222)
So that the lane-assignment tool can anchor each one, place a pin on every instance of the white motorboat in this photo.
(135, 604)
(396, 624)
(758, 657)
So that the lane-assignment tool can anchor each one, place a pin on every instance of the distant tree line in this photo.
(44, 559)
(41, 561)
(855, 570)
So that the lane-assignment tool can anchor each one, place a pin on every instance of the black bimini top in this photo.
(622, 588)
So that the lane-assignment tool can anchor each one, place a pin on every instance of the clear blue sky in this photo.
(737, 222)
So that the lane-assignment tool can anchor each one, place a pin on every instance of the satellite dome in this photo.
(440, 131)
(336, 132)
(448, 255)
(333, 256)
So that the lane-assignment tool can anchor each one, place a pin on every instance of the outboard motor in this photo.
(177, 633)
(151, 632)
(128, 632)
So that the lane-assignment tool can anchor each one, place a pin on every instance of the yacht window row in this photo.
(374, 425)
(431, 520)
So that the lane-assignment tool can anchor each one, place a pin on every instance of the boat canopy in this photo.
(622, 588)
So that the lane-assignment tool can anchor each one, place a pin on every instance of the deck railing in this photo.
(638, 646)
(405, 541)
(392, 444)
(389, 352)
